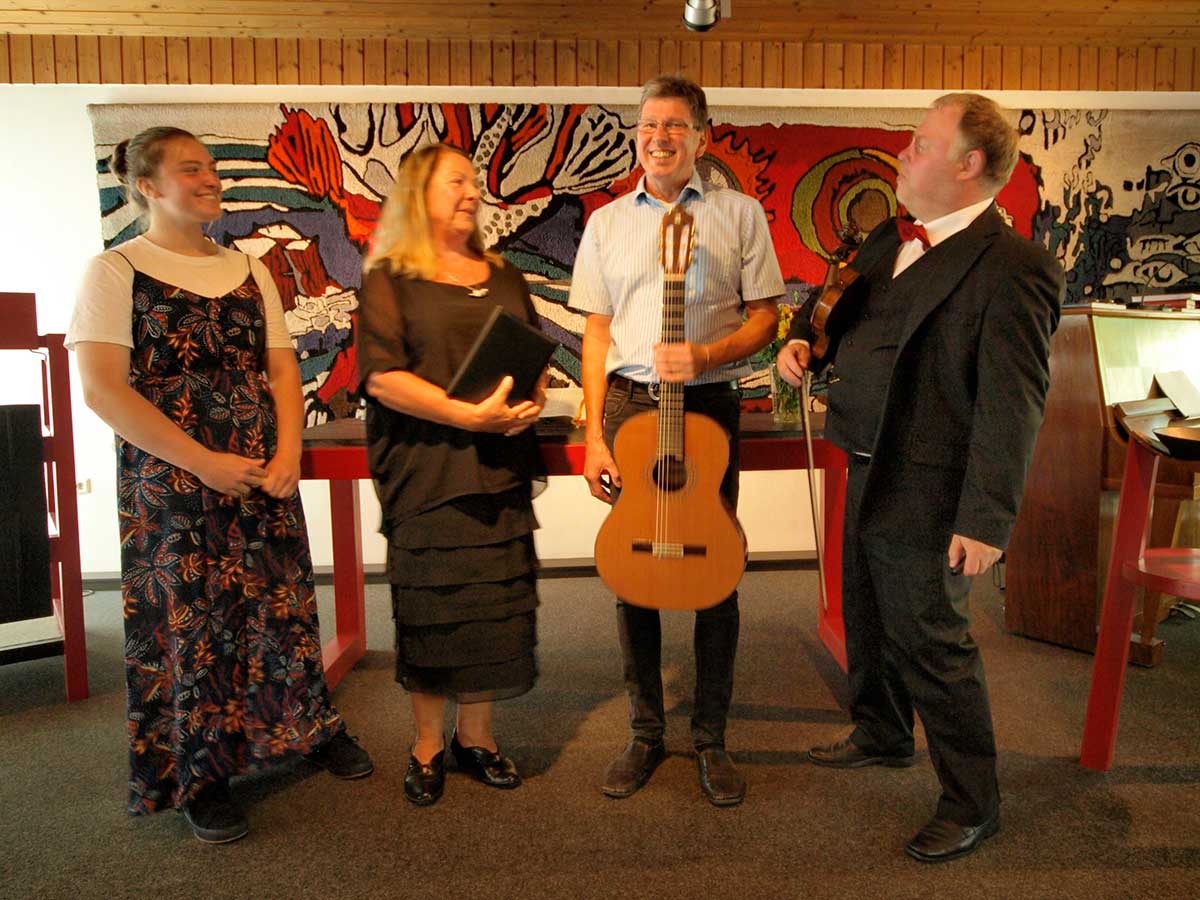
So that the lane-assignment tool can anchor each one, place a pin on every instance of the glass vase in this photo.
(785, 399)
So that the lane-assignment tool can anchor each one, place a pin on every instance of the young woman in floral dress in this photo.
(183, 350)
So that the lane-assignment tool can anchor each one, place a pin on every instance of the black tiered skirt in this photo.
(464, 598)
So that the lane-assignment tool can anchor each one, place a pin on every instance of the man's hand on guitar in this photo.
(793, 361)
(600, 470)
(680, 362)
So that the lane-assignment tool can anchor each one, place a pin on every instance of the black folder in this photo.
(505, 346)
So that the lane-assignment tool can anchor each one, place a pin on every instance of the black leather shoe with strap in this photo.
(630, 771)
(942, 840)
(424, 782)
(491, 768)
(845, 754)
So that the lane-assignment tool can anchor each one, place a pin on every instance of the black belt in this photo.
(632, 388)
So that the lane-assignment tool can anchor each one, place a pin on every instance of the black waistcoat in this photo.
(866, 355)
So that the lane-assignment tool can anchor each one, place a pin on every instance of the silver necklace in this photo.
(473, 290)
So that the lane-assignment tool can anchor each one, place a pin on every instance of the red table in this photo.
(1132, 564)
(335, 452)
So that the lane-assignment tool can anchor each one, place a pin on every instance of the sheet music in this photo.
(562, 402)
(1181, 391)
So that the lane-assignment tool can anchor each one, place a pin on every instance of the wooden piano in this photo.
(1059, 548)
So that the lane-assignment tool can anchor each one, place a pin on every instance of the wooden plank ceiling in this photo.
(1096, 23)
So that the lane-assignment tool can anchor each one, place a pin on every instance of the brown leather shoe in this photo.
(942, 840)
(633, 768)
(845, 754)
(720, 780)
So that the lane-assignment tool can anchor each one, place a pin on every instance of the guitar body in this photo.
(671, 541)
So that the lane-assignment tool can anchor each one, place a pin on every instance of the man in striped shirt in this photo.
(730, 295)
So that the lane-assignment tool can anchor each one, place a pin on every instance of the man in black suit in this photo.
(937, 394)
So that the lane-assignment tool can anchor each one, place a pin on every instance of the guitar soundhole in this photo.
(670, 473)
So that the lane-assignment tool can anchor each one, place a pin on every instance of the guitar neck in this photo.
(670, 396)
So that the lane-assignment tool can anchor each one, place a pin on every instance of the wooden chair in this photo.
(58, 454)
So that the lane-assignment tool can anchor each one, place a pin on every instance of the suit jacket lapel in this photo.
(947, 264)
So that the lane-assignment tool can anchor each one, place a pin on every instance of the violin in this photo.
(832, 313)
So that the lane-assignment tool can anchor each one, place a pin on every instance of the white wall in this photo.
(47, 177)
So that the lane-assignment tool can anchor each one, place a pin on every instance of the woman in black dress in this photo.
(454, 478)
(183, 350)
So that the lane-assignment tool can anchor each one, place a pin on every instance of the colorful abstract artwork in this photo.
(1115, 194)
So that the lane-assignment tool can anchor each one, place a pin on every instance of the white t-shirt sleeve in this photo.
(277, 330)
(104, 303)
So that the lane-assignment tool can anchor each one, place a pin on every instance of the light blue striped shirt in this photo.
(618, 272)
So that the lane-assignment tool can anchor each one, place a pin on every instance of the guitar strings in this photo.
(670, 419)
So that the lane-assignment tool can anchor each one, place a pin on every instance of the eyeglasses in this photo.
(671, 126)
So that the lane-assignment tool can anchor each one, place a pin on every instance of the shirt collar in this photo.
(951, 224)
(695, 187)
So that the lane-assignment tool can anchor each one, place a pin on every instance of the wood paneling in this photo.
(243, 61)
(287, 54)
(87, 48)
(502, 62)
(1151, 23)
(439, 61)
(157, 59)
(199, 60)
(460, 61)
(375, 61)
(522, 62)
(221, 49)
(20, 59)
(396, 61)
(481, 62)
(110, 60)
(66, 70)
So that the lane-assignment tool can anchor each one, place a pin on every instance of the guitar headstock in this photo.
(678, 236)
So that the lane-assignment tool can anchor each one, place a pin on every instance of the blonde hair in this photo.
(402, 239)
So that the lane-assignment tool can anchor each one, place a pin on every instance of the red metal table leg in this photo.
(1116, 614)
(350, 642)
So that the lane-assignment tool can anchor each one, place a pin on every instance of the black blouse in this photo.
(427, 328)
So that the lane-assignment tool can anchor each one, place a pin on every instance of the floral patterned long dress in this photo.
(222, 654)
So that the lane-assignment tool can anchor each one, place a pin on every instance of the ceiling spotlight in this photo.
(701, 15)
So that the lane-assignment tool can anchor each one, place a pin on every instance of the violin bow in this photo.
(818, 531)
(851, 237)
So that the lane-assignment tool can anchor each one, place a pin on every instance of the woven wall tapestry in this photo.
(1114, 194)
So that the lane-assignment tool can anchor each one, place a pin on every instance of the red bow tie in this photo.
(909, 229)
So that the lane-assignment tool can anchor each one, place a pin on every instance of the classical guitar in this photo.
(671, 541)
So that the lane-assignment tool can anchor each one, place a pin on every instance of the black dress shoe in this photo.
(720, 780)
(214, 817)
(482, 764)
(942, 840)
(342, 756)
(845, 754)
(633, 768)
(424, 782)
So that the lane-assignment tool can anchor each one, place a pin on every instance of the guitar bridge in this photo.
(669, 549)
